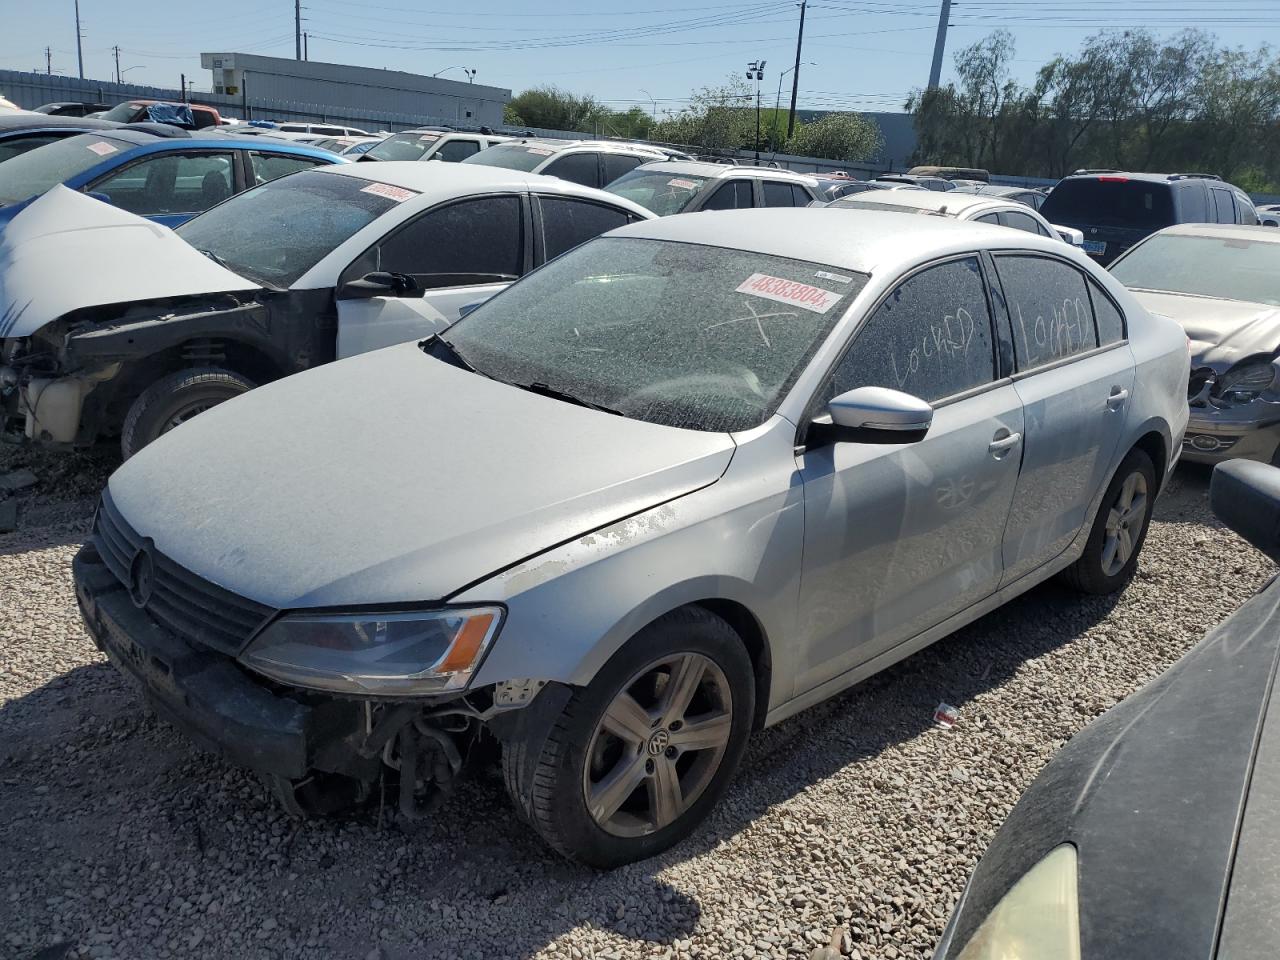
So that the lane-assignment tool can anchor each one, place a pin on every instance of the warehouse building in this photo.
(337, 85)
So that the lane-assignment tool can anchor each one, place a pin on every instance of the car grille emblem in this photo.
(142, 577)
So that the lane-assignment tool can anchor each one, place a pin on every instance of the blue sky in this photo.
(868, 53)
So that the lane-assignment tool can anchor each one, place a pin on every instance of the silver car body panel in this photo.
(402, 488)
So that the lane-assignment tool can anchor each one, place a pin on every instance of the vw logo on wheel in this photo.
(658, 743)
(142, 577)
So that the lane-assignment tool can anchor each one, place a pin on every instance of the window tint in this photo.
(1020, 221)
(576, 168)
(1223, 207)
(170, 183)
(989, 218)
(779, 194)
(475, 241)
(735, 195)
(273, 166)
(16, 145)
(1110, 320)
(1245, 212)
(567, 223)
(617, 164)
(456, 150)
(1110, 201)
(1049, 307)
(930, 338)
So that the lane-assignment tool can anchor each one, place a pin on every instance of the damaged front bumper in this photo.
(1249, 430)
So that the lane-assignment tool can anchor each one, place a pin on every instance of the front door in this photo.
(899, 537)
(1074, 393)
(458, 254)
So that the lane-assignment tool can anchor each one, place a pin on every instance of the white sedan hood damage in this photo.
(67, 251)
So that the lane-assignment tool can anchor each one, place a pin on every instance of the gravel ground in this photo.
(118, 839)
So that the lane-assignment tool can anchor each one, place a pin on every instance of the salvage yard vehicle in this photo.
(20, 132)
(1222, 283)
(668, 187)
(135, 111)
(961, 206)
(680, 483)
(1152, 833)
(1032, 198)
(592, 163)
(325, 263)
(162, 174)
(1114, 209)
(432, 144)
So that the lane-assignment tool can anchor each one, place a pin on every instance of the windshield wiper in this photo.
(544, 390)
(214, 257)
(451, 354)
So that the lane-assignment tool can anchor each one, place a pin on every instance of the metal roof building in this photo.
(355, 88)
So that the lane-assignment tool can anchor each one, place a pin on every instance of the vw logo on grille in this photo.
(658, 742)
(142, 577)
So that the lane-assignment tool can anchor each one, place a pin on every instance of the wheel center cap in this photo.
(658, 743)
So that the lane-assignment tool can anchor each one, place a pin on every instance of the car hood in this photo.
(394, 477)
(1151, 795)
(65, 251)
(1222, 332)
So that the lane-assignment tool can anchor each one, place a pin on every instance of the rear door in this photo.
(457, 254)
(898, 537)
(562, 223)
(453, 151)
(1074, 390)
(734, 194)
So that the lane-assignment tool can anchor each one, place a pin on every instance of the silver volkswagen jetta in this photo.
(680, 483)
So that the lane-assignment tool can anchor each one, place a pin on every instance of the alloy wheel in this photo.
(658, 745)
(1124, 524)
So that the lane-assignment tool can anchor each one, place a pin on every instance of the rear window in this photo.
(1115, 202)
(404, 146)
(123, 112)
(514, 156)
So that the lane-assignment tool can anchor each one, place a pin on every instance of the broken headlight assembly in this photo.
(376, 654)
(1246, 382)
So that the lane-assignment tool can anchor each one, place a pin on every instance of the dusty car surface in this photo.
(1152, 833)
(159, 325)
(681, 483)
(1222, 283)
(688, 186)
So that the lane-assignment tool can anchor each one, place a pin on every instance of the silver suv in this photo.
(689, 186)
(592, 163)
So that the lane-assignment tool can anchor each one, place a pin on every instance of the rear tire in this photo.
(1110, 556)
(174, 399)
(652, 782)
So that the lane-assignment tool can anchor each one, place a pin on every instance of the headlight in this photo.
(401, 654)
(1038, 919)
(1246, 381)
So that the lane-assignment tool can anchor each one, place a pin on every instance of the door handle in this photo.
(1002, 445)
(1117, 398)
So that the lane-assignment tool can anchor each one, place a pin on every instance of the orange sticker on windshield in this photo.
(398, 194)
(101, 148)
(813, 299)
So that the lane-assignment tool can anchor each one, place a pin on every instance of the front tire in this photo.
(175, 399)
(637, 759)
(1110, 556)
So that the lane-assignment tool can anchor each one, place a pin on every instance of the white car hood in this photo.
(66, 251)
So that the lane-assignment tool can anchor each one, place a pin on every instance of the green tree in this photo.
(837, 136)
(716, 118)
(554, 109)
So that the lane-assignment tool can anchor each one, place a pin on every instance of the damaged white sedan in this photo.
(112, 325)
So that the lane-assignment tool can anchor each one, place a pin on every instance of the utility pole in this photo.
(184, 86)
(116, 51)
(940, 44)
(755, 71)
(79, 51)
(48, 61)
(306, 55)
(795, 77)
(297, 29)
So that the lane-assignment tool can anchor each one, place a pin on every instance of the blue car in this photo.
(164, 174)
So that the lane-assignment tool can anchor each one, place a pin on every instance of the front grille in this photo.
(189, 605)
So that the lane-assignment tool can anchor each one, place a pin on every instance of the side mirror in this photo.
(1069, 235)
(436, 156)
(378, 284)
(1245, 495)
(873, 415)
(468, 308)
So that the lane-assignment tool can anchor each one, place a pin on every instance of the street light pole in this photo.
(777, 100)
(755, 71)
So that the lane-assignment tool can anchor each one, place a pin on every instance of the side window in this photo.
(273, 166)
(474, 241)
(203, 118)
(989, 218)
(1020, 221)
(567, 223)
(800, 196)
(1049, 308)
(576, 168)
(734, 195)
(1110, 319)
(930, 338)
(778, 194)
(1223, 206)
(168, 184)
(1245, 212)
(1192, 201)
(616, 164)
(456, 150)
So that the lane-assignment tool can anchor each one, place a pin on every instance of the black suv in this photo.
(1115, 210)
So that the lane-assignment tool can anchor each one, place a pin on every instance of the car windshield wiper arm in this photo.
(544, 390)
(214, 257)
(451, 354)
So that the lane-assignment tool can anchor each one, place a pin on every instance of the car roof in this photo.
(551, 143)
(1168, 178)
(701, 168)
(443, 181)
(951, 202)
(27, 121)
(852, 239)
(1225, 231)
(204, 140)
